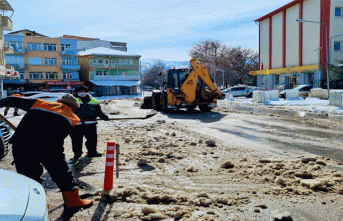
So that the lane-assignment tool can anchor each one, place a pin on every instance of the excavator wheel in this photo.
(147, 103)
(204, 108)
(156, 102)
(164, 101)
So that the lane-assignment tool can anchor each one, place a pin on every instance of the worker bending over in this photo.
(39, 138)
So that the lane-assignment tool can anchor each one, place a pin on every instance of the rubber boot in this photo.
(72, 200)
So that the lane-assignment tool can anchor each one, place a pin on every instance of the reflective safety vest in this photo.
(92, 101)
(56, 108)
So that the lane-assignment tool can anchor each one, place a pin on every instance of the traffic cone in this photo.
(108, 180)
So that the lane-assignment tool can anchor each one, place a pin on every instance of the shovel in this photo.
(7, 122)
(126, 118)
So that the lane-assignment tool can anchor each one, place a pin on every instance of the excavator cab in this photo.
(176, 78)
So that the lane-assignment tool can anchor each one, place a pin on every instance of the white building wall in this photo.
(336, 29)
(277, 41)
(311, 12)
(292, 37)
(264, 43)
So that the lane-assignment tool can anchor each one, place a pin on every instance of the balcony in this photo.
(8, 49)
(15, 81)
(7, 24)
(70, 67)
(68, 53)
(18, 66)
(114, 66)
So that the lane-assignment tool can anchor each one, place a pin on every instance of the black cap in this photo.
(81, 88)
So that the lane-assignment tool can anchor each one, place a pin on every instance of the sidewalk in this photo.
(312, 106)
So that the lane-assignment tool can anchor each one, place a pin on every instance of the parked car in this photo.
(31, 93)
(49, 96)
(304, 90)
(241, 90)
(21, 198)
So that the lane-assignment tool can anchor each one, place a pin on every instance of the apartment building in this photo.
(42, 62)
(297, 42)
(6, 71)
(84, 43)
(109, 71)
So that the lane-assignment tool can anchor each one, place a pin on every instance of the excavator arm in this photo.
(190, 84)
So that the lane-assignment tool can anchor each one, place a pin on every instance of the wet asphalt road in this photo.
(267, 132)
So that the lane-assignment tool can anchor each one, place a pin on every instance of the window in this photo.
(66, 61)
(337, 46)
(100, 73)
(67, 75)
(65, 47)
(94, 61)
(131, 61)
(338, 12)
(50, 61)
(126, 61)
(16, 44)
(51, 75)
(106, 61)
(121, 61)
(100, 61)
(33, 46)
(49, 47)
(21, 75)
(34, 61)
(36, 75)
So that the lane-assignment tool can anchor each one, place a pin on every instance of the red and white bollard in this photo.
(108, 180)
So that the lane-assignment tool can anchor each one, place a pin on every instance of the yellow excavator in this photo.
(185, 88)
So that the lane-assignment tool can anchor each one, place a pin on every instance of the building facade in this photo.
(42, 62)
(110, 72)
(6, 71)
(84, 43)
(297, 42)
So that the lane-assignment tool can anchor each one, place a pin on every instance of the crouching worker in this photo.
(38, 141)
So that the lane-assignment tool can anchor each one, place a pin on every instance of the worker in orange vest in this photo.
(15, 113)
(38, 141)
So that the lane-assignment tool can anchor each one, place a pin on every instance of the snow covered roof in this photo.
(115, 83)
(107, 52)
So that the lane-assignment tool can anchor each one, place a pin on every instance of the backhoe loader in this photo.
(185, 88)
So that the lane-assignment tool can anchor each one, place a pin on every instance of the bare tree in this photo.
(227, 65)
(152, 77)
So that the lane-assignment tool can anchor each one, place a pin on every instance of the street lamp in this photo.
(328, 46)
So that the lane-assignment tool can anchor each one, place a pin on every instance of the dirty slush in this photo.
(171, 172)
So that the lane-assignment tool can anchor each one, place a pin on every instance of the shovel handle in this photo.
(7, 122)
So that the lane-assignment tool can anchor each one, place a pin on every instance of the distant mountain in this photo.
(148, 63)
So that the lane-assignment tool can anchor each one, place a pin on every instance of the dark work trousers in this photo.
(90, 133)
(29, 161)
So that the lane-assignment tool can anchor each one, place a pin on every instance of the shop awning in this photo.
(115, 83)
(289, 70)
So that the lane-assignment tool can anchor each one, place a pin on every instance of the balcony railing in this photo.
(70, 67)
(68, 52)
(18, 66)
(114, 66)
(6, 23)
(8, 49)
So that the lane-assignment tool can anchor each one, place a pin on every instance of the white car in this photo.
(303, 90)
(21, 198)
(49, 96)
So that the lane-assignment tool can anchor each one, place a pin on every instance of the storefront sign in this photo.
(64, 83)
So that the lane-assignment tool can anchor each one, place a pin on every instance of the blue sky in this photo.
(155, 29)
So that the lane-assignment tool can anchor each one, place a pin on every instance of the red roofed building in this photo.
(297, 41)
